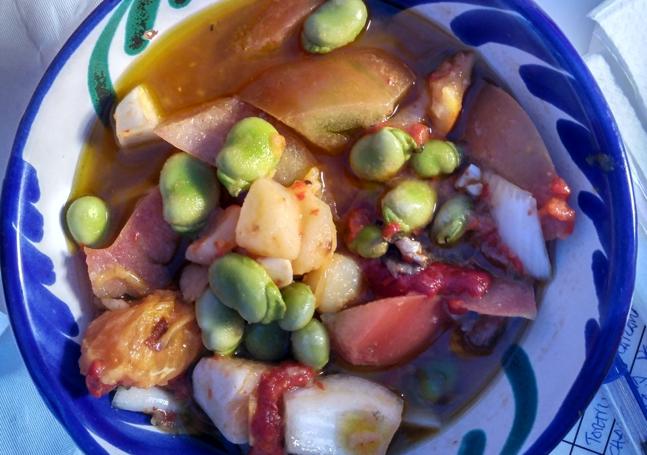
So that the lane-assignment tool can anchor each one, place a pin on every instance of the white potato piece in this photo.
(280, 270)
(336, 284)
(319, 234)
(270, 221)
(515, 213)
(344, 415)
(222, 387)
(136, 116)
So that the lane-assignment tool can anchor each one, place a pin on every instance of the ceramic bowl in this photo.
(546, 380)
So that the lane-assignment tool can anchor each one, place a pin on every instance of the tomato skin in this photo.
(386, 332)
(267, 422)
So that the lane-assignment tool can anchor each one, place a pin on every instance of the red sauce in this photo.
(356, 220)
(419, 132)
(93, 380)
(153, 341)
(267, 422)
(390, 230)
(437, 279)
(557, 217)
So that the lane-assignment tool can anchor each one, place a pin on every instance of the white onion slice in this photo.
(341, 415)
(515, 213)
(145, 400)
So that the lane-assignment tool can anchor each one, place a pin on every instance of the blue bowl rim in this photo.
(622, 259)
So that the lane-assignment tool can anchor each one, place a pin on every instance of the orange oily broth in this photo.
(194, 63)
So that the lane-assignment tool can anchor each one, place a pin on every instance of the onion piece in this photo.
(515, 212)
(145, 400)
(343, 415)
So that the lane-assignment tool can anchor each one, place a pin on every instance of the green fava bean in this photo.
(436, 380)
(450, 224)
(189, 192)
(410, 205)
(300, 306)
(311, 345)
(267, 342)
(334, 24)
(222, 328)
(369, 243)
(380, 156)
(436, 158)
(88, 220)
(252, 150)
(243, 284)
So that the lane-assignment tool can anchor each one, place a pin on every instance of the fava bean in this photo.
(300, 306)
(410, 205)
(222, 328)
(436, 158)
(450, 223)
(380, 156)
(334, 24)
(88, 220)
(369, 243)
(311, 345)
(266, 342)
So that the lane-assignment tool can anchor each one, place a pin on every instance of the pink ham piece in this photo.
(501, 137)
(217, 238)
(505, 298)
(386, 332)
(193, 282)
(201, 130)
(136, 263)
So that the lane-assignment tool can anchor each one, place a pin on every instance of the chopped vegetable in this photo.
(451, 221)
(280, 270)
(311, 346)
(342, 415)
(410, 205)
(222, 387)
(136, 116)
(270, 221)
(217, 238)
(369, 242)
(267, 341)
(322, 98)
(447, 86)
(300, 306)
(505, 298)
(145, 345)
(470, 181)
(147, 401)
(385, 332)
(336, 284)
(295, 162)
(243, 285)
(436, 158)
(334, 24)
(88, 220)
(252, 150)
(379, 156)
(318, 231)
(515, 213)
(189, 192)
(222, 327)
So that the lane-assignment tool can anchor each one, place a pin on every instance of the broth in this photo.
(192, 64)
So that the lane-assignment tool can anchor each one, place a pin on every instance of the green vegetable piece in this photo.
(267, 342)
(436, 158)
(252, 150)
(379, 156)
(450, 223)
(410, 205)
(300, 304)
(334, 24)
(436, 380)
(243, 284)
(311, 345)
(222, 328)
(88, 220)
(369, 243)
(189, 192)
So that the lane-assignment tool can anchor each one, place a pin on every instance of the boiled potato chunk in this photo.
(270, 221)
(325, 97)
(336, 284)
(319, 235)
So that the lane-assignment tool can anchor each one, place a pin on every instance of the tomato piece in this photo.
(386, 332)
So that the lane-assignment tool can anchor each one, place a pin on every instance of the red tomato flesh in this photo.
(386, 332)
